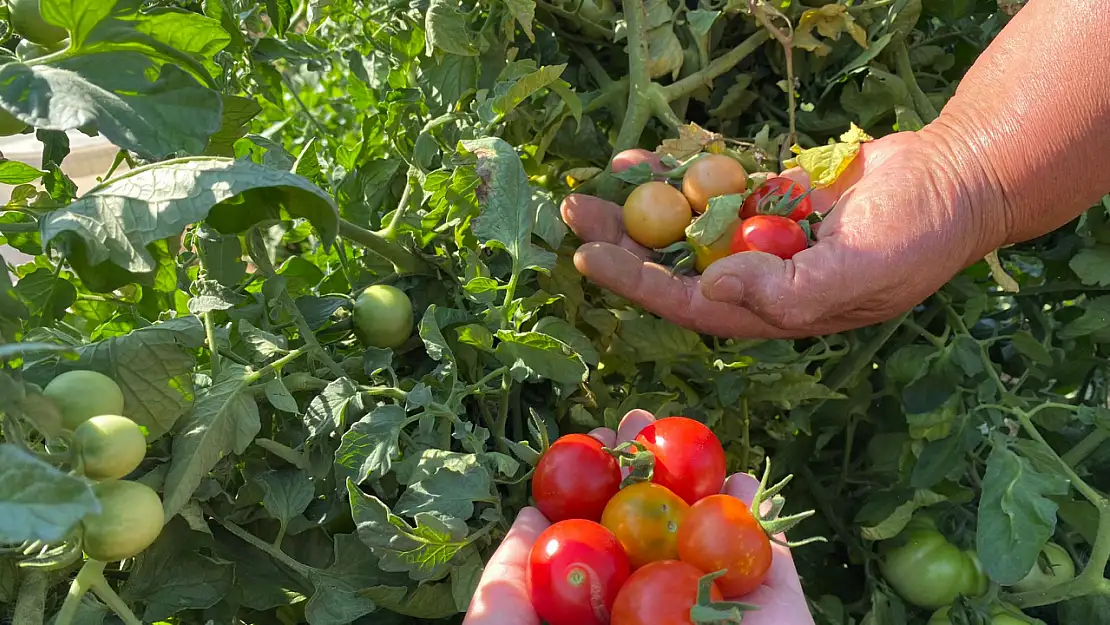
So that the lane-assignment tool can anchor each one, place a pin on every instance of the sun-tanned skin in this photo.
(1015, 154)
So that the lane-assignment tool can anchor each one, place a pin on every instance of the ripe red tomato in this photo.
(661, 593)
(689, 460)
(773, 191)
(575, 570)
(575, 478)
(771, 234)
(645, 518)
(720, 532)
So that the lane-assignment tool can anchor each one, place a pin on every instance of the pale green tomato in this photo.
(110, 446)
(999, 616)
(1053, 567)
(130, 520)
(81, 395)
(383, 316)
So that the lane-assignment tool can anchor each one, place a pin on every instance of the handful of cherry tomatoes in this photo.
(771, 217)
(653, 551)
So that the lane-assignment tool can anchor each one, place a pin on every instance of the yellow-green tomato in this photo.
(383, 316)
(706, 255)
(928, 571)
(710, 176)
(130, 520)
(656, 215)
(1053, 567)
(999, 616)
(110, 446)
(27, 20)
(81, 395)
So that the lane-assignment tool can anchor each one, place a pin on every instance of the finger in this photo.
(605, 435)
(502, 594)
(594, 219)
(630, 158)
(674, 297)
(632, 423)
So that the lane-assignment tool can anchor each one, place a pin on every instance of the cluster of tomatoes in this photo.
(770, 218)
(649, 552)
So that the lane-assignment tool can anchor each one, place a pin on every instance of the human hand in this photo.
(903, 224)
(502, 594)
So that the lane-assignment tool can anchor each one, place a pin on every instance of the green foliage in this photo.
(278, 157)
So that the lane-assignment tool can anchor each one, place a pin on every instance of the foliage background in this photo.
(284, 155)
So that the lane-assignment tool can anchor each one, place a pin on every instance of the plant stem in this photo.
(720, 65)
(1086, 447)
(213, 348)
(31, 602)
(277, 364)
(112, 600)
(639, 80)
(403, 260)
(390, 231)
(599, 30)
(300, 568)
(921, 102)
(80, 585)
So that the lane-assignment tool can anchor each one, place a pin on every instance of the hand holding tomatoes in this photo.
(502, 596)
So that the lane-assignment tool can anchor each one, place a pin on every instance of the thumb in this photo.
(781, 292)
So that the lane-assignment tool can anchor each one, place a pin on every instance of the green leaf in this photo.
(508, 95)
(446, 29)
(37, 501)
(447, 493)
(223, 420)
(542, 356)
(328, 411)
(1016, 516)
(336, 602)
(423, 551)
(1095, 318)
(1031, 348)
(426, 601)
(173, 113)
(1092, 265)
(722, 212)
(47, 293)
(15, 172)
(368, 448)
(117, 222)
(894, 523)
(287, 493)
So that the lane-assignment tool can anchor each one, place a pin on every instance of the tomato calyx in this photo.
(709, 612)
(781, 203)
(772, 522)
(637, 458)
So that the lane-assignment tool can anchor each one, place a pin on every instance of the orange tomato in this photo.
(645, 518)
(656, 215)
(720, 532)
(710, 176)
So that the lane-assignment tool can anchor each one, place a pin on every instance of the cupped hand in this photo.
(502, 594)
(901, 222)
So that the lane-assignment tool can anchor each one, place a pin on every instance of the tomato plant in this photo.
(689, 460)
(129, 521)
(710, 176)
(776, 192)
(645, 518)
(930, 572)
(656, 214)
(575, 479)
(1054, 566)
(81, 395)
(26, 18)
(383, 316)
(110, 446)
(661, 593)
(770, 234)
(720, 533)
(575, 570)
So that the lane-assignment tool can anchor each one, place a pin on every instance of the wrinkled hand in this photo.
(902, 226)
(502, 595)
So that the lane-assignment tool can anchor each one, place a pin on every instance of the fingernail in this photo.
(723, 289)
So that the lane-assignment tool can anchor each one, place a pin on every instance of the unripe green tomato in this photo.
(130, 521)
(930, 572)
(110, 446)
(383, 316)
(81, 395)
(26, 19)
(1060, 569)
(999, 616)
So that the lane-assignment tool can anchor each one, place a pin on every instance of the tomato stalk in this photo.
(31, 601)
(708, 612)
(772, 522)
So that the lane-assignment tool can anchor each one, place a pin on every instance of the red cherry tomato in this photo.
(660, 593)
(575, 570)
(771, 234)
(773, 191)
(575, 478)
(720, 532)
(689, 460)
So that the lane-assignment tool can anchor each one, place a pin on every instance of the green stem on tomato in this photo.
(389, 233)
(296, 566)
(112, 600)
(921, 102)
(31, 601)
(1086, 447)
(718, 66)
(277, 364)
(213, 348)
(639, 79)
(80, 585)
(402, 259)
